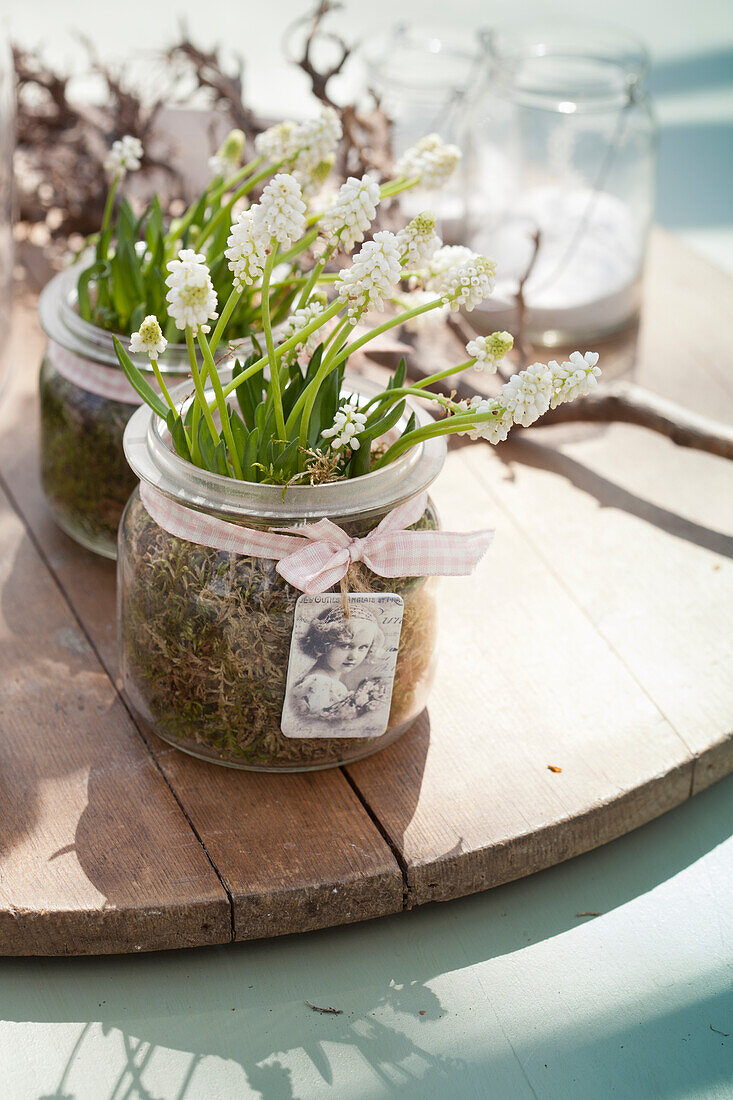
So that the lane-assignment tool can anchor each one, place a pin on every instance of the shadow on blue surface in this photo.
(246, 1002)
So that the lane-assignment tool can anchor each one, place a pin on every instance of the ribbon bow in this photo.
(316, 556)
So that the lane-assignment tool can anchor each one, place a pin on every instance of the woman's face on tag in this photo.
(349, 652)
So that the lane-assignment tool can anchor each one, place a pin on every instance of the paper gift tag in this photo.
(341, 669)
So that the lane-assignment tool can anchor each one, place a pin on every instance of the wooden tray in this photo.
(593, 639)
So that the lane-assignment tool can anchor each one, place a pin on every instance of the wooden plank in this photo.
(95, 854)
(524, 681)
(248, 823)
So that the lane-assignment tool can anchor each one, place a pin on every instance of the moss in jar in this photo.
(85, 476)
(205, 639)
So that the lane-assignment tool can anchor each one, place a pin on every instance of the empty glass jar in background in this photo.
(425, 79)
(7, 145)
(565, 145)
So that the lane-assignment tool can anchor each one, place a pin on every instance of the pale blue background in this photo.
(521, 998)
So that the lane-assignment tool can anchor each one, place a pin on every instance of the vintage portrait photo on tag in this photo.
(341, 668)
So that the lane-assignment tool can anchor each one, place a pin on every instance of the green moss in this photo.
(85, 476)
(205, 640)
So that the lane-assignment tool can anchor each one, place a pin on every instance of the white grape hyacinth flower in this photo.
(488, 351)
(347, 424)
(467, 284)
(278, 143)
(418, 241)
(125, 156)
(281, 211)
(527, 395)
(574, 378)
(352, 212)
(149, 339)
(191, 296)
(495, 430)
(450, 255)
(373, 275)
(431, 161)
(298, 320)
(315, 140)
(246, 251)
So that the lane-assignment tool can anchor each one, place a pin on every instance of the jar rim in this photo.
(60, 320)
(153, 460)
(597, 66)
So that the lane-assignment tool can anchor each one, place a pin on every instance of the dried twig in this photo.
(326, 1011)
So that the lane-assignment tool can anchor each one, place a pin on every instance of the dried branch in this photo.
(366, 142)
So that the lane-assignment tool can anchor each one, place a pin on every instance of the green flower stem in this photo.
(106, 217)
(443, 374)
(231, 304)
(305, 242)
(393, 187)
(393, 322)
(269, 343)
(221, 403)
(163, 387)
(449, 426)
(308, 397)
(203, 405)
(395, 395)
(239, 175)
(224, 213)
(287, 345)
(181, 225)
(315, 276)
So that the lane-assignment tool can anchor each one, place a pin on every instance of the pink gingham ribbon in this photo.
(315, 556)
(107, 382)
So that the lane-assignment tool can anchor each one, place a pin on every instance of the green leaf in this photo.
(207, 447)
(399, 376)
(178, 434)
(249, 470)
(138, 382)
(240, 434)
(220, 459)
(95, 271)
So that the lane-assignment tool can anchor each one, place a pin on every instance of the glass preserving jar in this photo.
(86, 403)
(205, 635)
(565, 149)
(425, 78)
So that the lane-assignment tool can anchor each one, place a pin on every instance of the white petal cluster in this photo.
(352, 212)
(574, 378)
(424, 321)
(297, 321)
(278, 143)
(124, 156)
(191, 297)
(373, 275)
(315, 141)
(430, 160)
(228, 156)
(494, 431)
(488, 351)
(149, 339)
(466, 284)
(247, 249)
(281, 211)
(347, 424)
(418, 242)
(450, 255)
(527, 395)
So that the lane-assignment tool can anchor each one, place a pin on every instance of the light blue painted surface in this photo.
(521, 998)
